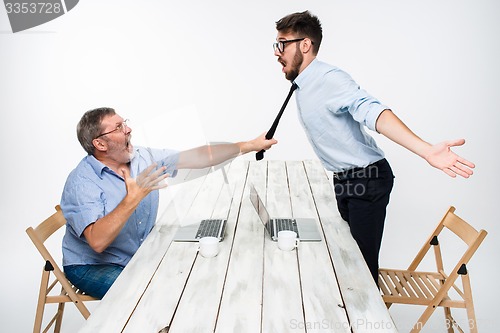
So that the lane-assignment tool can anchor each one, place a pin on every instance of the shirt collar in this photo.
(96, 165)
(99, 167)
(302, 78)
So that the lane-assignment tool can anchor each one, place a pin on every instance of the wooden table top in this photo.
(251, 285)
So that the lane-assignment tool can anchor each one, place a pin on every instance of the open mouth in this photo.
(283, 63)
(128, 144)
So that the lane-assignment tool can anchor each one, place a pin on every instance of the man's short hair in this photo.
(89, 127)
(304, 25)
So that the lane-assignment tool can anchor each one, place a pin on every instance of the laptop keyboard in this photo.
(209, 228)
(286, 224)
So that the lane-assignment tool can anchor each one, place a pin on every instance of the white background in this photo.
(435, 63)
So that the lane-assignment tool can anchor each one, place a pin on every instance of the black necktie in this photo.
(269, 135)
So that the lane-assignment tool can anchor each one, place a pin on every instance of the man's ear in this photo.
(306, 45)
(100, 145)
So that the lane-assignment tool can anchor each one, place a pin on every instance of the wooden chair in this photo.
(430, 289)
(68, 292)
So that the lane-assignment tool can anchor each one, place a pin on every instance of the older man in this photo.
(110, 200)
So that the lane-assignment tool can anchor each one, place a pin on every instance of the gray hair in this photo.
(89, 127)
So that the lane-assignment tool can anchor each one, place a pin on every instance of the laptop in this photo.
(205, 228)
(306, 228)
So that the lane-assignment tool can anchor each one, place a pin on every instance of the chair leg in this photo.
(423, 319)
(37, 328)
(472, 319)
(83, 310)
(416, 328)
(469, 304)
(60, 312)
(449, 319)
(40, 308)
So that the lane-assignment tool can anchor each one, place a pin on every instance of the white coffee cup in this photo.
(287, 240)
(208, 246)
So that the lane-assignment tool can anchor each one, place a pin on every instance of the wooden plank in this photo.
(390, 283)
(384, 284)
(422, 286)
(241, 303)
(364, 305)
(409, 278)
(397, 284)
(432, 283)
(158, 304)
(405, 285)
(282, 298)
(323, 305)
(203, 291)
(461, 228)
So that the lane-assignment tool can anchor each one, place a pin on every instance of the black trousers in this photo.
(362, 197)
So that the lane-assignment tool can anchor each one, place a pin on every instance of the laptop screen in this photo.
(259, 205)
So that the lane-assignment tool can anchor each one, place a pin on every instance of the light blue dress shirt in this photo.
(92, 191)
(334, 111)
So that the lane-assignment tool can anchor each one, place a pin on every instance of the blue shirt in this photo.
(92, 191)
(334, 111)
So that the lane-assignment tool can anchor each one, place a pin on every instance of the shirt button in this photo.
(140, 222)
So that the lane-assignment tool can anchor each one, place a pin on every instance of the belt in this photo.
(366, 172)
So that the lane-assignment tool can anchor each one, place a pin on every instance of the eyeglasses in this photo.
(121, 127)
(280, 45)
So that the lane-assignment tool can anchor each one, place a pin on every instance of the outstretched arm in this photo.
(210, 155)
(439, 155)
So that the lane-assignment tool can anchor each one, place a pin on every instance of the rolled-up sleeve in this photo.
(82, 204)
(347, 96)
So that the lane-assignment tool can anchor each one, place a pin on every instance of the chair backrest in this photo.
(53, 275)
(44, 230)
(470, 236)
(459, 227)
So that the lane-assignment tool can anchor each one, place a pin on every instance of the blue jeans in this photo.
(94, 280)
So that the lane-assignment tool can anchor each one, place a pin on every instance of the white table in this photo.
(251, 286)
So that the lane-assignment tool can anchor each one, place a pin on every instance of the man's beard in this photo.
(298, 59)
(122, 151)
